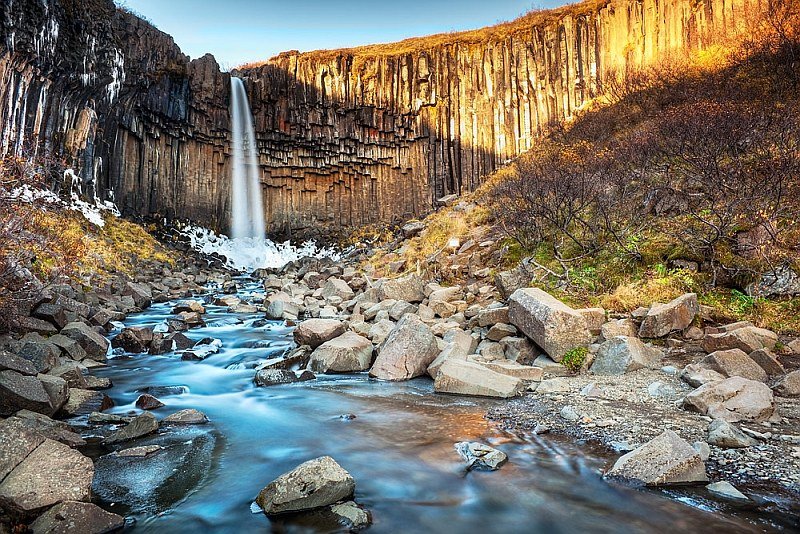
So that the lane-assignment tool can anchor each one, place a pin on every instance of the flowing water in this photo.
(399, 448)
(247, 210)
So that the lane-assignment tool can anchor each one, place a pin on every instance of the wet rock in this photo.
(468, 378)
(313, 484)
(663, 461)
(140, 426)
(622, 354)
(99, 418)
(734, 362)
(347, 353)
(84, 401)
(747, 339)
(351, 515)
(789, 385)
(192, 306)
(661, 319)
(134, 340)
(274, 377)
(733, 399)
(723, 434)
(25, 420)
(97, 383)
(20, 392)
(78, 517)
(10, 362)
(315, 332)
(696, 375)
(407, 352)
(768, 362)
(148, 402)
(50, 474)
(297, 359)
(550, 323)
(191, 319)
(480, 456)
(186, 417)
(95, 345)
(726, 490)
(408, 288)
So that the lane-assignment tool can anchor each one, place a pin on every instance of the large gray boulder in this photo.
(313, 484)
(95, 345)
(462, 377)
(20, 392)
(11, 362)
(409, 288)
(347, 353)
(666, 460)
(550, 323)
(622, 354)
(733, 399)
(77, 517)
(407, 352)
(734, 362)
(315, 332)
(661, 319)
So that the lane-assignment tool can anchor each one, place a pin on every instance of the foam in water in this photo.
(247, 209)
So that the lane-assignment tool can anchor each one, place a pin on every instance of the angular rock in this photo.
(189, 416)
(480, 456)
(379, 331)
(733, 399)
(315, 332)
(621, 327)
(500, 331)
(27, 421)
(133, 340)
(140, 426)
(747, 339)
(10, 362)
(550, 323)
(42, 354)
(140, 293)
(520, 350)
(77, 517)
(337, 287)
(57, 389)
(409, 288)
(622, 354)
(595, 318)
(52, 313)
(492, 316)
(71, 372)
(84, 402)
(20, 392)
(523, 372)
(661, 319)
(313, 484)
(275, 377)
(347, 353)
(468, 378)
(696, 375)
(666, 460)
(768, 362)
(16, 444)
(407, 352)
(789, 385)
(69, 347)
(95, 345)
(723, 434)
(148, 402)
(734, 362)
(193, 306)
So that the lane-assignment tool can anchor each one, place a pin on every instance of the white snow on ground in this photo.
(247, 254)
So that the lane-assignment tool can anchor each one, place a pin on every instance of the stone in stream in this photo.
(723, 434)
(20, 392)
(133, 340)
(313, 484)
(50, 474)
(347, 353)
(95, 345)
(191, 306)
(622, 354)
(84, 401)
(733, 399)
(78, 517)
(189, 416)
(661, 319)
(275, 377)
(469, 378)
(315, 332)
(726, 490)
(480, 456)
(550, 323)
(407, 352)
(666, 460)
(148, 402)
(734, 362)
(140, 426)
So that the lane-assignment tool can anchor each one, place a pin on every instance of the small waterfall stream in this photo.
(247, 210)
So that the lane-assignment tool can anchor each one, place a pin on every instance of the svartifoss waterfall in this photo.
(247, 210)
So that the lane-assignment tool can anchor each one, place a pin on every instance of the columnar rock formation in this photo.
(346, 137)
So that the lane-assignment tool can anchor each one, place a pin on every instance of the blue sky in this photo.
(238, 31)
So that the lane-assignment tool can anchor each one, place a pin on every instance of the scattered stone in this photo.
(554, 385)
(727, 490)
(315, 332)
(659, 389)
(702, 449)
(723, 434)
(347, 353)
(569, 413)
(148, 402)
(733, 399)
(661, 319)
(500, 331)
(412, 229)
(186, 417)
(407, 352)
(592, 391)
(313, 484)
(275, 377)
(469, 378)
(663, 461)
(20, 392)
(192, 306)
(696, 376)
(84, 402)
(767, 361)
(622, 354)
(99, 418)
(734, 362)
(480, 456)
(140, 426)
(95, 345)
(78, 517)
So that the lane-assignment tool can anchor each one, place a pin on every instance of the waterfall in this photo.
(247, 209)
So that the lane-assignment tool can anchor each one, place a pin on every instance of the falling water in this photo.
(247, 213)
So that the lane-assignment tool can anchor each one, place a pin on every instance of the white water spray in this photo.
(247, 210)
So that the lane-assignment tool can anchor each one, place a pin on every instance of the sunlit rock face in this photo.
(345, 137)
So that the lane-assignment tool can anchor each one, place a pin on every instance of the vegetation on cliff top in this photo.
(683, 178)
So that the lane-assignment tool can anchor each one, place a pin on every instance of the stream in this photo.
(399, 449)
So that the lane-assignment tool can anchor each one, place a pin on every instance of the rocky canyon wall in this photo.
(346, 137)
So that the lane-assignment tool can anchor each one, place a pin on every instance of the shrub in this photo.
(575, 358)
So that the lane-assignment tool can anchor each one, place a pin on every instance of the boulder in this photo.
(459, 347)
(194, 306)
(57, 389)
(84, 401)
(550, 323)
(462, 377)
(42, 354)
(666, 460)
(140, 293)
(733, 399)
(50, 474)
(140, 426)
(77, 517)
(336, 287)
(315, 332)
(379, 331)
(727, 490)
(11, 362)
(523, 372)
(734, 362)
(69, 347)
(20, 392)
(507, 282)
(492, 316)
(148, 402)
(347, 353)
(696, 375)
(789, 385)
(520, 350)
(313, 484)
(16, 443)
(134, 340)
(189, 416)
(27, 421)
(52, 313)
(275, 377)
(500, 331)
(412, 229)
(622, 354)
(620, 327)
(595, 318)
(768, 362)
(747, 339)
(95, 345)
(723, 434)
(407, 352)
(480, 456)
(409, 288)
(661, 319)
(71, 372)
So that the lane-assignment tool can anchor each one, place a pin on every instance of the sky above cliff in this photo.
(240, 31)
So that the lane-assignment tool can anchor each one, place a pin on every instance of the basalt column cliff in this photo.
(346, 137)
